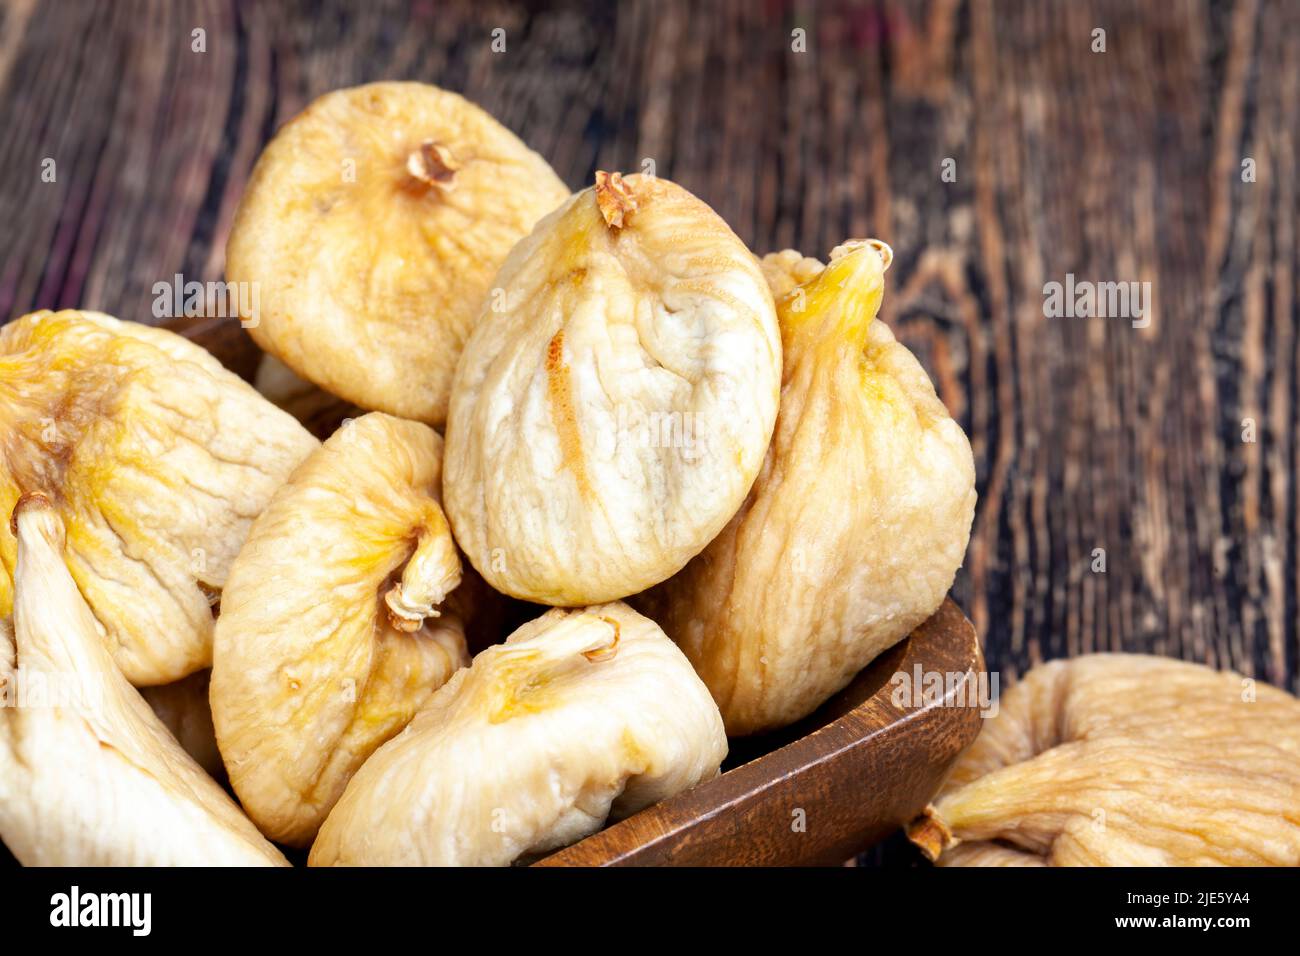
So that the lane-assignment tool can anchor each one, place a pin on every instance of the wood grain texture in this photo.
(1115, 166)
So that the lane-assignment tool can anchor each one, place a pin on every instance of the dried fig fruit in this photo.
(787, 270)
(183, 708)
(1125, 760)
(371, 227)
(856, 525)
(580, 716)
(330, 637)
(156, 458)
(609, 419)
(89, 776)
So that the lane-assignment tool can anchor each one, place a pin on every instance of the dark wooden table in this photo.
(1123, 165)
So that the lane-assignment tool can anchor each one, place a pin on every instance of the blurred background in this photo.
(997, 147)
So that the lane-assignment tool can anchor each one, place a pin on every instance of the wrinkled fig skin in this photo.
(372, 226)
(858, 521)
(322, 649)
(92, 777)
(1125, 760)
(609, 418)
(579, 716)
(183, 708)
(156, 458)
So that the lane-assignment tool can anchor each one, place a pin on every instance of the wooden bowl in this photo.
(824, 789)
(814, 793)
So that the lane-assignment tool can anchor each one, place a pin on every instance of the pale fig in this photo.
(339, 620)
(580, 717)
(89, 776)
(611, 412)
(371, 228)
(1125, 760)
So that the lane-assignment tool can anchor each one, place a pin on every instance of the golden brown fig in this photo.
(183, 708)
(371, 227)
(608, 420)
(156, 458)
(330, 637)
(1125, 760)
(579, 716)
(856, 525)
(89, 776)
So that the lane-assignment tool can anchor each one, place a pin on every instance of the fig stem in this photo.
(838, 304)
(615, 199)
(30, 501)
(883, 249)
(561, 640)
(603, 652)
(433, 572)
(930, 833)
(433, 164)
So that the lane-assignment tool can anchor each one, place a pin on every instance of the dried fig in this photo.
(856, 525)
(608, 420)
(183, 708)
(89, 776)
(330, 637)
(371, 227)
(787, 270)
(1125, 760)
(156, 458)
(581, 715)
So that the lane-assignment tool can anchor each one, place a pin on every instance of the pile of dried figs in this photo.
(725, 482)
